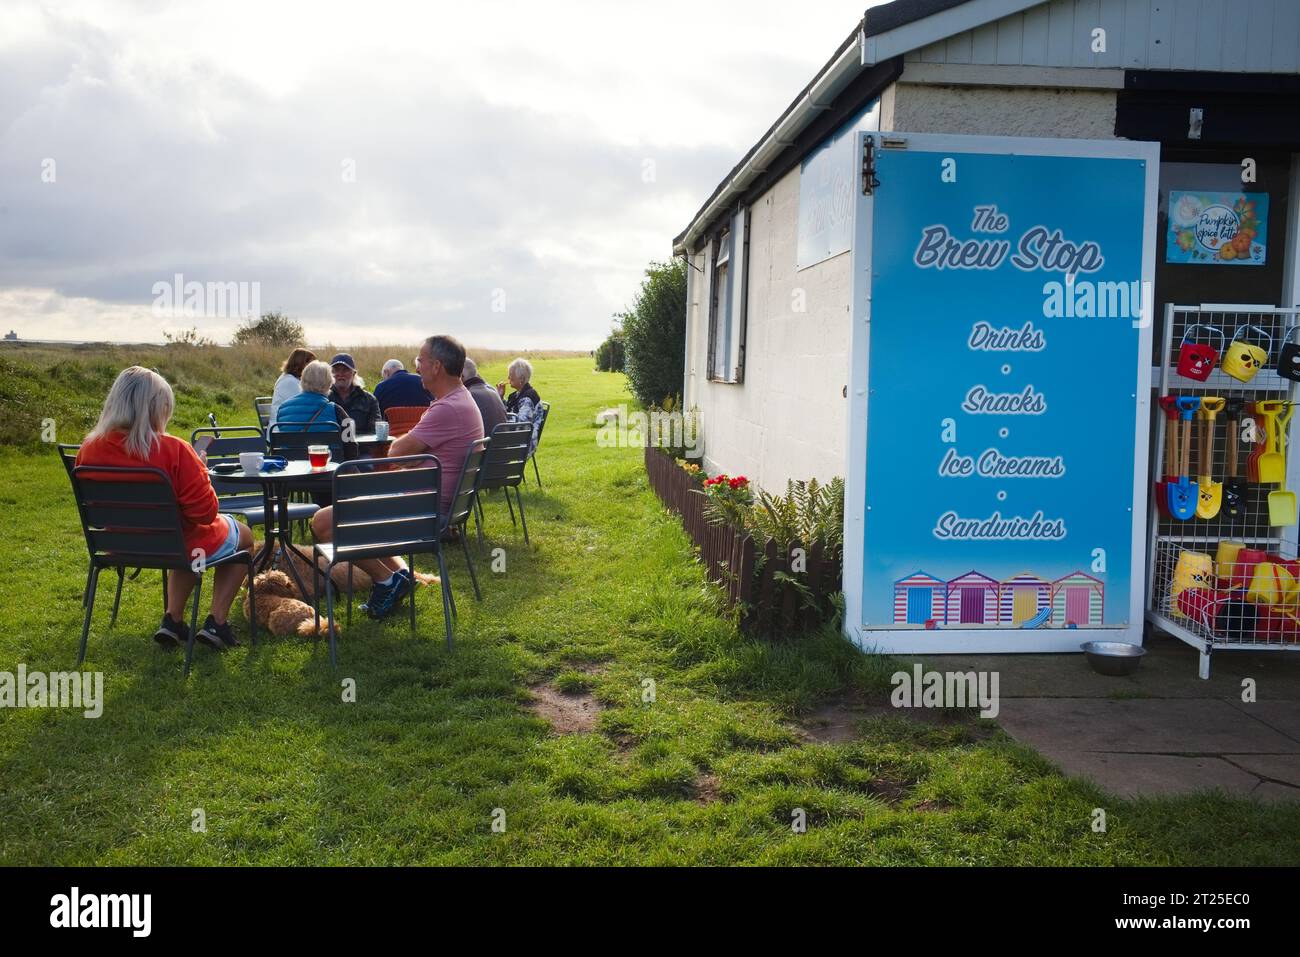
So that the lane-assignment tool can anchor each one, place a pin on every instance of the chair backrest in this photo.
(68, 455)
(386, 507)
(291, 439)
(503, 466)
(539, 423)
(463, 500)
(262, 404)
(402, 418)
(225, 446)
(129, 516)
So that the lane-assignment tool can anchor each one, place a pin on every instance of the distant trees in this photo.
(654, 334)
(272, 329)
(610, 354)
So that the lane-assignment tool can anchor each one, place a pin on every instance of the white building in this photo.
(769, 309)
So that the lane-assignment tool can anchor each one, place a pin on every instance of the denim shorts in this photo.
(231, 544)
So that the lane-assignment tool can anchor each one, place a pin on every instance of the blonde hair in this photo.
(316, 377)
(140, 403)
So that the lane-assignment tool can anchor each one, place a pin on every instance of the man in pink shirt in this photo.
(447, 429)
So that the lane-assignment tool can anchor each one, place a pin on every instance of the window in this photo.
(727, 275)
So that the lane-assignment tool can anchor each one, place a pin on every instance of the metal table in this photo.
(276, 487)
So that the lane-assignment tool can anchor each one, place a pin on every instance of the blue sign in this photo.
(1007, 307)
(1217, 229)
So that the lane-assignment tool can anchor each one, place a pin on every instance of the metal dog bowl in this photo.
(1113, 657)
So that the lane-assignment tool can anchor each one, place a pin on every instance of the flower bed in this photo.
(779, 591)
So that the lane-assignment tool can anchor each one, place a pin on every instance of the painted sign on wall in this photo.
(826, 196)
(1217, 229)
(1006, 323)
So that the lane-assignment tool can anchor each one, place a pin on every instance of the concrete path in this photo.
(1161, 731)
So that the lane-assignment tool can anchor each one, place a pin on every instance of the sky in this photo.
(380, 171)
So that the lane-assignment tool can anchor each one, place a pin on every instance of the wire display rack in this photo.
(1222, 568)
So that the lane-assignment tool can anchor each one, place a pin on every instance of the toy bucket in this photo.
(1288, 358)
(1289, 566)
(1242, 359)
(1270, 584)
(1199, 604)
(1243, 569)
(1277, 624)
(1196, 359)
(1194, 570)
(1236, 620)
(1225, 560)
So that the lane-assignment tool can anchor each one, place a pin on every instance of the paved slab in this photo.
(1140, 726)
(1282, 768)
(1268, 791)
(1154, 775)
(1281, 716)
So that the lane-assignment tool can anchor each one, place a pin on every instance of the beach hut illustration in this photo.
(918, 598)
(1021, 597)
(972, 599)
(1077, 599)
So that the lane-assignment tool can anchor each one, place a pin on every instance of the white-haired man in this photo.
(400, 388)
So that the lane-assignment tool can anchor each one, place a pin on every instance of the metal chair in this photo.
(262, 405)
(291, 439)
(130, 518)
(225, 446)
(68, 455)
(384, 507)
(539, 425)
(503, 468)
(402, 418)
(463, 504)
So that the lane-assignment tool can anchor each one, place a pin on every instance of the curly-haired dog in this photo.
(278, 609)
(300, 555)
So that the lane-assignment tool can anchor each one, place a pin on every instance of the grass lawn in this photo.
(606, 598)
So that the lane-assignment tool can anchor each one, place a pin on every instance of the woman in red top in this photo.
(132, 433)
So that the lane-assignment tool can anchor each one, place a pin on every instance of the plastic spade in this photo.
(1183, 494)
(1234, 491)
(1282, 503)
(1169, 403)
(1209, 492)
(1272, 466)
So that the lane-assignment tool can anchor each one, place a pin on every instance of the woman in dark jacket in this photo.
(523, 404)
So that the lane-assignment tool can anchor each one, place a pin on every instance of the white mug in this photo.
(251, 462)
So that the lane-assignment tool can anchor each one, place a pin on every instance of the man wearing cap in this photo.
(359, 404)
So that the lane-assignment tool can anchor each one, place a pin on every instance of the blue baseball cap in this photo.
(343, 359)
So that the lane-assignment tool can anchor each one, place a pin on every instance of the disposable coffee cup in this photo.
(251, 462)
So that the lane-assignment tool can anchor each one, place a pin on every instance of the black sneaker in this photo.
(384, 599)
(172, 633)
(217, 637)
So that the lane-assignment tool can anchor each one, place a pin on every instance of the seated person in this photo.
(287, 386)
(524, 404)
(348, 393)
(400, 388)
(311, 411)
(485, 397)
(447, 429)
(131, 433)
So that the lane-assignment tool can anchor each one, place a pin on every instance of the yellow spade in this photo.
(1210, 493)
(1281, 503)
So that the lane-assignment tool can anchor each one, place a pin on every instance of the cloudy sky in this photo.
(380, 170)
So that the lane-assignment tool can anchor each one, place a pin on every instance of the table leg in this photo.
(263, 559)
(284, 532)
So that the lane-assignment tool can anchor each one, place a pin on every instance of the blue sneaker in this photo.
(385, 599)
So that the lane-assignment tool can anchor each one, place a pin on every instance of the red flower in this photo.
(738, 481)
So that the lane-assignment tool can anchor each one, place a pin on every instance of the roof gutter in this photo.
(802, 112)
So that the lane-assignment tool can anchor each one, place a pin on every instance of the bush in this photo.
(610, 354)
(654, 334)
(273, 328)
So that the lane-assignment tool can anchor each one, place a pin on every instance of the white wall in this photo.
(999, 111)
(786, 420)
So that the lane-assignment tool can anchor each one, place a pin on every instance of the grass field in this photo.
(440, 745)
